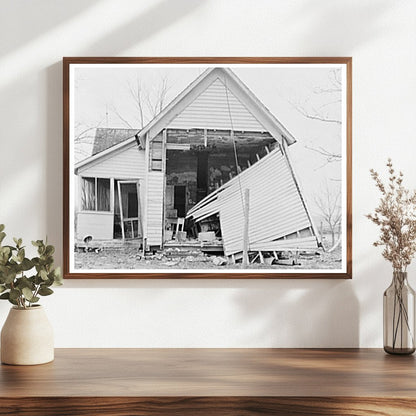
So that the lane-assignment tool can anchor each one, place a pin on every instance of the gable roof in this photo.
(235, 86)
(107, 137)
(232, 83)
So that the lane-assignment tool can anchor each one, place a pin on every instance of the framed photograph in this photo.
(207, 168)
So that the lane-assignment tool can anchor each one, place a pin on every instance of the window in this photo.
(95, 194)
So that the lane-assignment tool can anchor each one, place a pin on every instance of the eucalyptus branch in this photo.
(15, 285)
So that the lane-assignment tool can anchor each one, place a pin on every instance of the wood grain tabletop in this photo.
(153, 381)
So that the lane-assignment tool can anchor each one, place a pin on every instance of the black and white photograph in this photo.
(208, 168)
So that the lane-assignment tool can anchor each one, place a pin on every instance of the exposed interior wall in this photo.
(380, 36)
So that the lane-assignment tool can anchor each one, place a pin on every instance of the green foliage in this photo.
(15, 285)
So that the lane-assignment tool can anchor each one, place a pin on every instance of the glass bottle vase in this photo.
(399, 316)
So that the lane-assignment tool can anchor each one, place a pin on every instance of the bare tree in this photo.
(330, 207)
(314, 109)
(84, 139)
(148, 102)
(323, 105)
(156, 99)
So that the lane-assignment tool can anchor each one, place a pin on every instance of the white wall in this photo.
(380, 35)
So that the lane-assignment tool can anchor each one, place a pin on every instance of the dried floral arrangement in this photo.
(396, 217)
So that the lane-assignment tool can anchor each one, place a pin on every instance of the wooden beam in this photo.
(164, 140)
(139, 211)
(96, 193)
(112, 208)
(164, 143)
(246, 225)
(178, 146)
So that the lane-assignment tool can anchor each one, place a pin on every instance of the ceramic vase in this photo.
(27, 337)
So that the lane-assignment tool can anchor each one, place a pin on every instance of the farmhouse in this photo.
(213, 163)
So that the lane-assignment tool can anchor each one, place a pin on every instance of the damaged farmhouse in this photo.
(208, 183)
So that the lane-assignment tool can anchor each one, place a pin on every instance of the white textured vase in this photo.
(27, 337)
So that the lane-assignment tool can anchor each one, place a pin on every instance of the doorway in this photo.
(127, 213)
(179, 200)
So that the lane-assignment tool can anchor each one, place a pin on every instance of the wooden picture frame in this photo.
(208, 186)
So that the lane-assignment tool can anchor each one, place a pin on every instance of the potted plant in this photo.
(396, 217)
(27, 336)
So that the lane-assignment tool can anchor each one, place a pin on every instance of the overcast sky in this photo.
(102, 92)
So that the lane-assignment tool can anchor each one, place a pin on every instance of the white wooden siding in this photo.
(210, 110)
(154, 211)
(276, 208)
(97, 224)
(128, 163)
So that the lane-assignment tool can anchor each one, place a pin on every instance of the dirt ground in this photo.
(132, 258)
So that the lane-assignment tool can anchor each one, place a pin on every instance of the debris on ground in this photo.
(219, 261)
(186, 257)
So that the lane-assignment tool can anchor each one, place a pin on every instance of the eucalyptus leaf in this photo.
(45, 291)
(26, 264)
(21, 255)
(13, 302)
(27, 293)
(24, 282)
(49, 250)
(5, 295)
(58, 277)
(9, 277)
(43, 275)
(15, 294)
(2, 227)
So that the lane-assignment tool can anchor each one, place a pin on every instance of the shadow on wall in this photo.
(301, 313)
(162, 15)
(44, 17)
(147, 24)
(336, 17)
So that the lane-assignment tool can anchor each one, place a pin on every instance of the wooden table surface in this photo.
(212, 381)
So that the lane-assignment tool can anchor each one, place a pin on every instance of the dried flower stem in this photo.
(396, 217)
